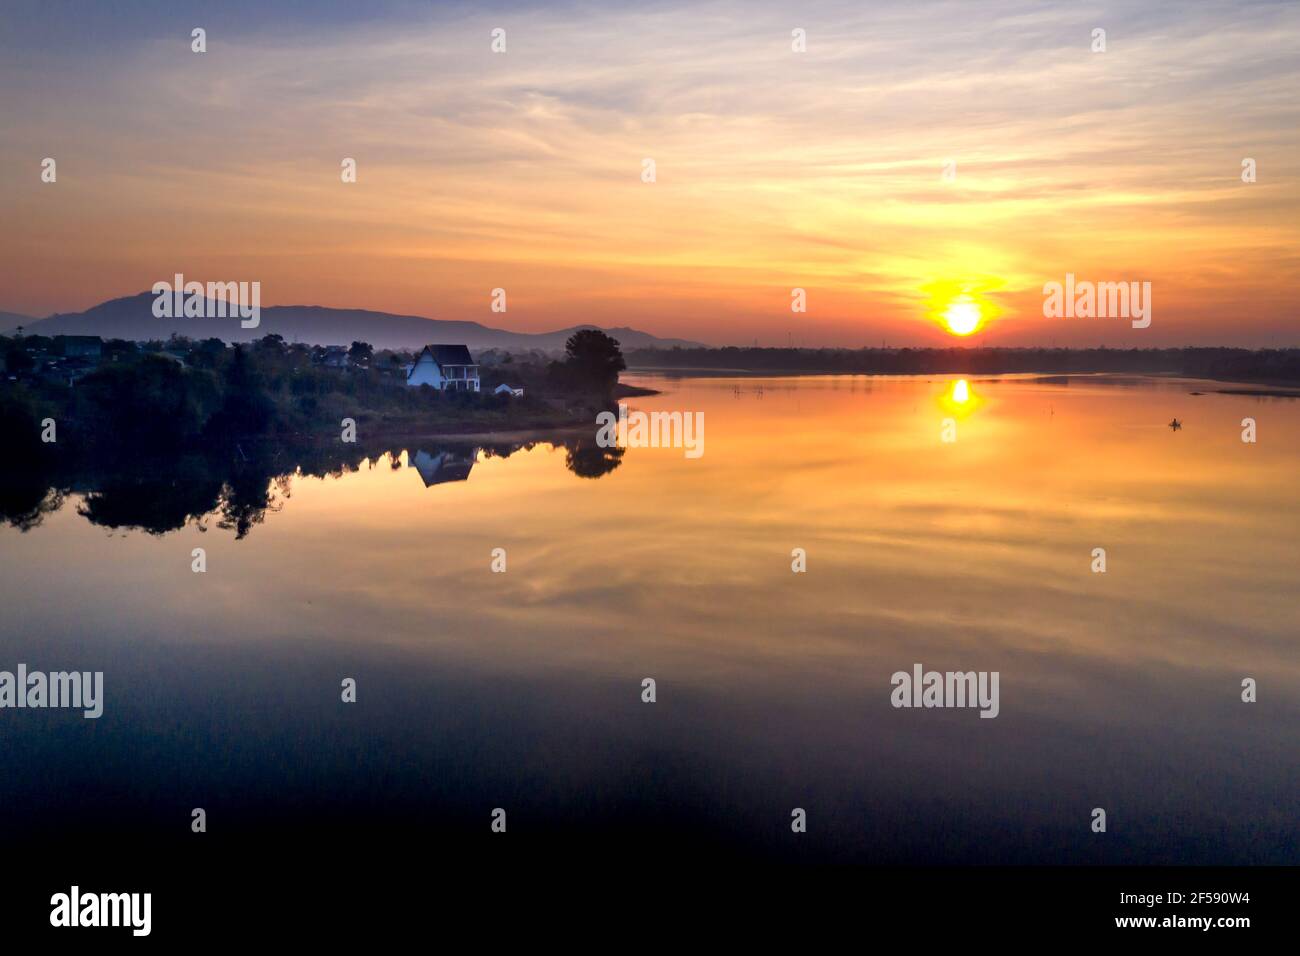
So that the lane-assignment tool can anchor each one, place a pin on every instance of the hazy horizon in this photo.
(943, 342)
(949, 342)
(775, 169)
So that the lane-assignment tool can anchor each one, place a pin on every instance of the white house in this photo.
(516, 390)
(448, 368)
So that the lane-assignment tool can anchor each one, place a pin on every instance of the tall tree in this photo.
(594, 360)
(361, 353)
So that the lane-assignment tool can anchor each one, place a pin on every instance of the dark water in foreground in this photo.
(522, 690)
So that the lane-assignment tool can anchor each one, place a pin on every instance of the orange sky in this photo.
(775, 169)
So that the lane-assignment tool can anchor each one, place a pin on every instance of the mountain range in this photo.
(132, 317)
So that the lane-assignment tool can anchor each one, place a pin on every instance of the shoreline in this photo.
(477, 430)
(1259, 387)
(538, 433)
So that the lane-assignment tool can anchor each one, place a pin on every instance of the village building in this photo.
(79, 346)
(448, 368)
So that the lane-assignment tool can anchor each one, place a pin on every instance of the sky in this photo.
(915, 155)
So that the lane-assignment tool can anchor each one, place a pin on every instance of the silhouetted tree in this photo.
(361, 353)
(207, 353)
(245, 408)
(273, 343)
(20, 429)
(17, 359)
(154, 403)
(593, 361)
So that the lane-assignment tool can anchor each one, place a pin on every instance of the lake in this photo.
(522, 690)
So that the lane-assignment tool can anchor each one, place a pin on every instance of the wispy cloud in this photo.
(775, 169)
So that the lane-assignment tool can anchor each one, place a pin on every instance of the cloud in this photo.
(817, 168)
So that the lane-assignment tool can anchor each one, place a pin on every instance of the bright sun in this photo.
(962, 316)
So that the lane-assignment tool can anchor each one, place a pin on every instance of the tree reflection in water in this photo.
(235, 489)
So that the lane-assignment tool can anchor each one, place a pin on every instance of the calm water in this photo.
(522, 690)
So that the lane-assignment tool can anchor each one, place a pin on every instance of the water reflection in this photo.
(236, 491)
(960, 399)
(443, 464)
(522, 689)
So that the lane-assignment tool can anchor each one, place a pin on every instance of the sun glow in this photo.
(963, 316)
(962, 305)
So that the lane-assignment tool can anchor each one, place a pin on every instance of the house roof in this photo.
(449, 354)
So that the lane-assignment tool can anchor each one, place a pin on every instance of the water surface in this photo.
(522, 689)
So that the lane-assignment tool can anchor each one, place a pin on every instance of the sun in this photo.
(962, 316)
(961, 305)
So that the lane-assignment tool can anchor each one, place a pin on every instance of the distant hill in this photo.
(132, 318)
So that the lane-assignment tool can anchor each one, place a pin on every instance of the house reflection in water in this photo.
(444, 464)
